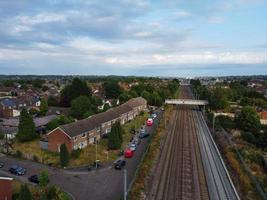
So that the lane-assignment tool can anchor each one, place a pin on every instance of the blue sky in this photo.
(133, 37)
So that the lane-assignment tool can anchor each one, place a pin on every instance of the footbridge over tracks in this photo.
(187, 102)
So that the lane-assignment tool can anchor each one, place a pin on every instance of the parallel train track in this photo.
(189, 166)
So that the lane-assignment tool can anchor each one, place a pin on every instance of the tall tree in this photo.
(80, 106)
(25, 193)
(112, 89)
(75, 89)
(115, 136)
(43, 179)
(43, 107)
(27, 130)
(248, 120)
(64, 155)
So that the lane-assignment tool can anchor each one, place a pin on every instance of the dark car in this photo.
(17, 170)
(1, 164)
(143, 135)
(34, 179)
(119, 164)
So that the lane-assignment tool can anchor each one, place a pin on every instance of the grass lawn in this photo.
(31, 150)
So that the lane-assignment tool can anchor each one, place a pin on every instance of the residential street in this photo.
(103, 184)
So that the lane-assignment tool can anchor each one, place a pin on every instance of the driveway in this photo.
(104, 184)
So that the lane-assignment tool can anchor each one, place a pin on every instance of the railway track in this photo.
(180, 171)
(190, 166)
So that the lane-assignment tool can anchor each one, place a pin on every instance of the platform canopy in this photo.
(187, 102)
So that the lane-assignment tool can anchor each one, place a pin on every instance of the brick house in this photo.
(80, 134)
(6, 188)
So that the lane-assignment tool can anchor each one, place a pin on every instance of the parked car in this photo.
(94, 165)
(136, 141)
(17, 170)
(149, 122)
(128, 153)
(119, 164)
(142, 131)
(132, 146)
(34, 179)
(1, 164)
(144, 135)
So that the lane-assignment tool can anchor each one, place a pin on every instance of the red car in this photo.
(128, 153)
(149, 122)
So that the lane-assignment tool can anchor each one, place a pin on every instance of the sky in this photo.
(134, 37)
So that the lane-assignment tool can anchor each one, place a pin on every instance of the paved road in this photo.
(97, 185)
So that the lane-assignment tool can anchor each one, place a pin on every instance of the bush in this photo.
(35, 158)
(249, 137)
(2, 136)
(18, 154)
(64, 155)
(76, 153)
(43, 178)
(226, 122)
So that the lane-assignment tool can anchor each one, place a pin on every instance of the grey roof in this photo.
(76, 128)
(39, 121)
(122, 109)
(135, 102)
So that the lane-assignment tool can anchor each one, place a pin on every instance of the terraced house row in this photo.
(81, 133)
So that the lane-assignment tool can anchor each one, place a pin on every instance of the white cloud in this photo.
(142, 34)
(41, 18)
(215, 20)
(182, 14)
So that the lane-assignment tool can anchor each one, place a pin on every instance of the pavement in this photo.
(103, 184)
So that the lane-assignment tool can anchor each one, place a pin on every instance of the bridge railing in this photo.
(187, 102)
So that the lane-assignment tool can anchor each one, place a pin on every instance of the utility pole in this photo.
(125, 183)
(213, 122)
(96, 153)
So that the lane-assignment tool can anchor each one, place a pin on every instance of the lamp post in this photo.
(96, 152)
(125, 183)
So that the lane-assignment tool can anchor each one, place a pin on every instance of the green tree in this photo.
(249, 137)
(75, 89)
(26, 130)
(226, 122)
(248, 120)
(25, 193)
(115, 138)
(43, 107)
(52, 101)
(80, 106)
(112, 89)
(43, 179)
(64, 155)
(60, 120)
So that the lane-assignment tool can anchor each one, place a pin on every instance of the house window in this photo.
(108, 130)
(83, 135)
